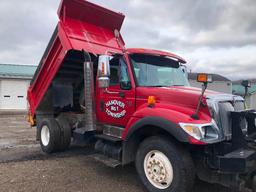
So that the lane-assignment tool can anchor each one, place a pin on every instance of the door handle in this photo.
(122, 94)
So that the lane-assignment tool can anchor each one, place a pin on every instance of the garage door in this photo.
(13, 94)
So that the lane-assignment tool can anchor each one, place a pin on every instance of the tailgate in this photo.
(89, 26)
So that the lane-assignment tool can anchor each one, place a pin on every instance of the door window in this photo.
(125, 82)
(114, 71)
(119, 74)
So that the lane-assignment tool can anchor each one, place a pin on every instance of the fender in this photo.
(136, 133)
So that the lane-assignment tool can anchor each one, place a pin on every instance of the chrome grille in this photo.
(225, 109)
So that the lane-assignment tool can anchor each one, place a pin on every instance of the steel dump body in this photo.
(82, 26)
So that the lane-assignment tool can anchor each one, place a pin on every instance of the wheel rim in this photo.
(158, 169)
(45, 135)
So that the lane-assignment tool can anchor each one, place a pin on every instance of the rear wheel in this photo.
(254, 183)
(164, 166)
(65, 133)
(49, 135)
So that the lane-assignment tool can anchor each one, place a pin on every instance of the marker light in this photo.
(204, 78)
(31, 120)
(102, 69)
(151, 100)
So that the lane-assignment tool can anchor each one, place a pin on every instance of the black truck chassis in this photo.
(232, 163)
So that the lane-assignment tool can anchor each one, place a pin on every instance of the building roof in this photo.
(238, 89)
(215, 77)
(17, 71)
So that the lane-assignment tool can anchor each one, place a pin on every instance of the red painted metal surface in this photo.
(175, 104)
(85, 26)
(82, 26)
(128, 100)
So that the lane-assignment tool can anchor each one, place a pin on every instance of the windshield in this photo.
(157, 71)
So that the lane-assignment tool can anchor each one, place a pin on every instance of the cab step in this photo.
(106, 160)
(108, 138)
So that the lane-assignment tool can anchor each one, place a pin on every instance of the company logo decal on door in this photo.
(115, 109)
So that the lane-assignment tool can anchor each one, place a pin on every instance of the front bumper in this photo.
(241, 152)
(233, 163)
(238, 161)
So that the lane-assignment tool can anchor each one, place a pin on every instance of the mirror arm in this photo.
(195, 115)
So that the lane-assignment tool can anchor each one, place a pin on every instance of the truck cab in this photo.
(136, 105)
(133, 75)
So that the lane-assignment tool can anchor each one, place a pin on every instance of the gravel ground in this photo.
(23, 167)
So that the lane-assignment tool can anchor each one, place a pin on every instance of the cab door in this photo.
(116, 104)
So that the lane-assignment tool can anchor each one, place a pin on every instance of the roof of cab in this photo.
(155, 52)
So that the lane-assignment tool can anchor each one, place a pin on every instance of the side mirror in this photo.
(104, 71)
(125, 85)
(246, 83)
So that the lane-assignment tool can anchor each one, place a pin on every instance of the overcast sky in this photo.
(214, 36)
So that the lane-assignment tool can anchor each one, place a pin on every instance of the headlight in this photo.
(208, 132)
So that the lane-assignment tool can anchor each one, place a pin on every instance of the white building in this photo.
(14, 82)
(219, 84)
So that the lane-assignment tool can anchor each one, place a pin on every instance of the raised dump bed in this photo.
(82, 26)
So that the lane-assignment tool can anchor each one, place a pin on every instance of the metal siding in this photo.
(253, 101)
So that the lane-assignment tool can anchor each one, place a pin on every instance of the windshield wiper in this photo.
(156, 86)
(160, 85)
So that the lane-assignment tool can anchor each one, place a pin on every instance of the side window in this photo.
(114, 74)
(119, 74)
(125, 82)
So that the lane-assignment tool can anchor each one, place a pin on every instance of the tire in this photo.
(164, 166)
(65, 133)
(82, 97)
(254, 183)
(49, 135)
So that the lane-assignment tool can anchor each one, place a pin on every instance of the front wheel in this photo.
(163, 166)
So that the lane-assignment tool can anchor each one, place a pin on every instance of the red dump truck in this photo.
(136, 105)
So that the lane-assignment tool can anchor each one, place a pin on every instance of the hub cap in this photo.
(45, 135)
(158, 169)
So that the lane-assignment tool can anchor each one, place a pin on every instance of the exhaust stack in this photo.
(89, 95)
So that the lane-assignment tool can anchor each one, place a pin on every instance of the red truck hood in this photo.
(178, 95)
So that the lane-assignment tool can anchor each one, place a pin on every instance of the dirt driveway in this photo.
(23, 167)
